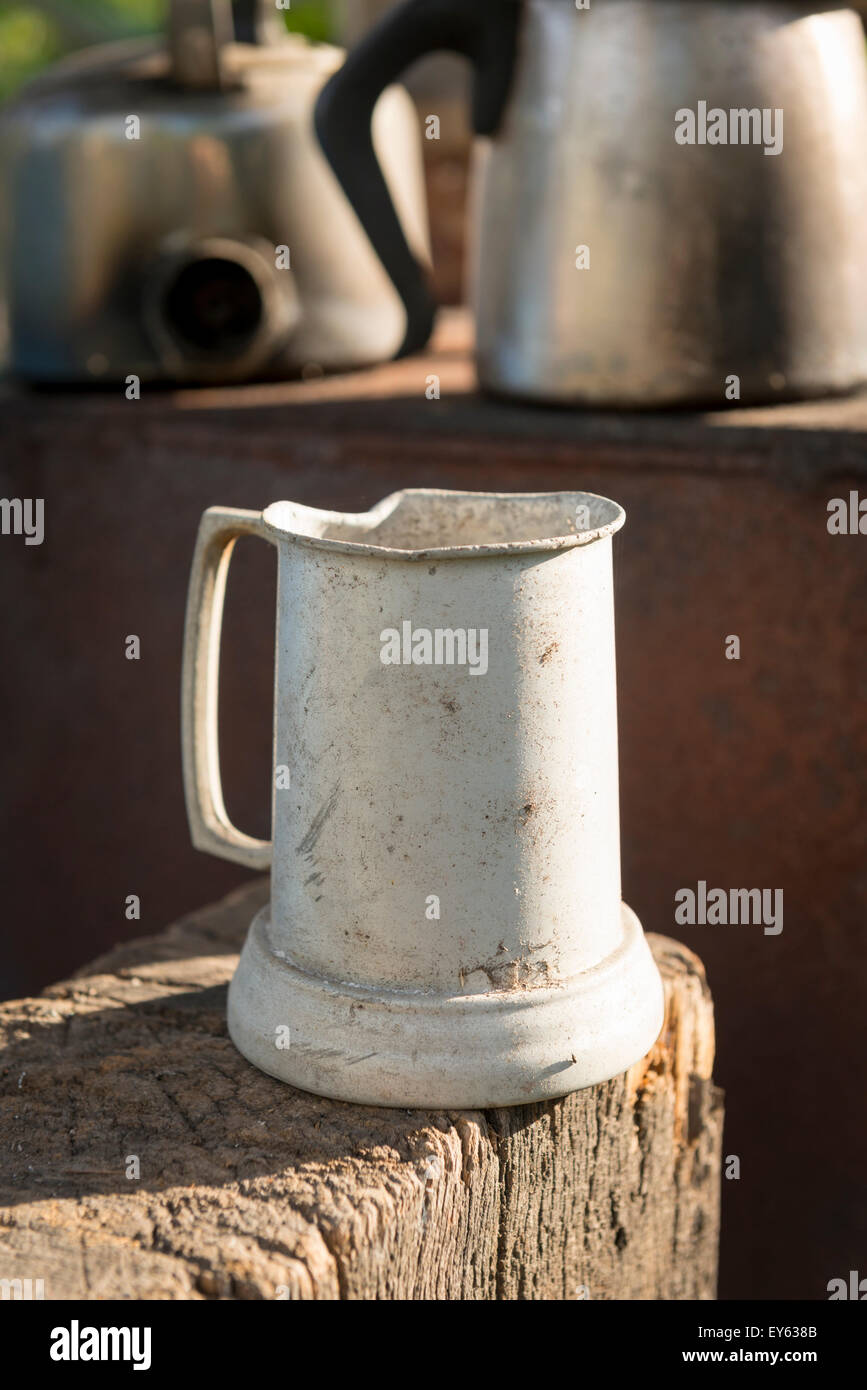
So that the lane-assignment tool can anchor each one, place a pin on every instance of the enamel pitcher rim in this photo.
(282, 520)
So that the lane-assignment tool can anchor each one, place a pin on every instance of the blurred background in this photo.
(37, 33)
(34, 35)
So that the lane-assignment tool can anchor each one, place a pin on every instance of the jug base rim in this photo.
(440, 1052)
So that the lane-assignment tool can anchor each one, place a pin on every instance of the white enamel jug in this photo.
(445, 926)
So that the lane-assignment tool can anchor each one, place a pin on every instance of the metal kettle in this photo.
(168, 213)
(670, 196)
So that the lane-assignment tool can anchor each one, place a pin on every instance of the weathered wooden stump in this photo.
(250, 1189)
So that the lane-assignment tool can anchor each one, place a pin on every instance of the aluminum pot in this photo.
(445, 925)
(167, 212)
(670, 195)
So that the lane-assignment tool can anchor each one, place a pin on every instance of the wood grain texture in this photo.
(250, 1189)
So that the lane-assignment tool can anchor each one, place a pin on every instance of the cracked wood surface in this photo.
(251, 1189)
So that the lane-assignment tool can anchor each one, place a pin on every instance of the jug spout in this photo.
(420, 522)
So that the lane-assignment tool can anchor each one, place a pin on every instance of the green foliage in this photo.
(27, 42)
(34, 34)
(310, 17)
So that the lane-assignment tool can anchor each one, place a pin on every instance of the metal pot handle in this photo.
(210, 827)
(485, 32)
(258, 21)
(198, 31)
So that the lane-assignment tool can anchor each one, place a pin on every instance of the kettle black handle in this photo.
(485, 31)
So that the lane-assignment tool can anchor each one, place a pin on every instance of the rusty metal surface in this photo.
(741, 773)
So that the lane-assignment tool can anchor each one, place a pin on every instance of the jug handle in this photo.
(210, 827)
(485, 32)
